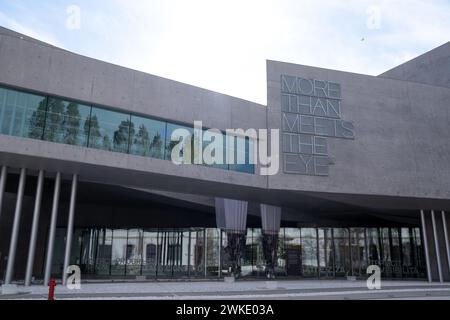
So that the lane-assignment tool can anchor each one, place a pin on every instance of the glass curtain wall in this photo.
(69, 122)
(197, 253)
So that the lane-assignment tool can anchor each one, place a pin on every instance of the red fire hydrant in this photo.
(51, 289)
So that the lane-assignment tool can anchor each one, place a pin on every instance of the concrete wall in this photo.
(432, 68)
(401, 146)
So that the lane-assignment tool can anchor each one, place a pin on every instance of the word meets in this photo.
(310, 113)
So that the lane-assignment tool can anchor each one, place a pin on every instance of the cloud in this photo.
(13, 24)
(223, 45)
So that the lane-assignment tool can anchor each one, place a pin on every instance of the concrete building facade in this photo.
(87, 177)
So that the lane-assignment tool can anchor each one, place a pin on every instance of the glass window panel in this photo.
(245, 154)
(89, 246)
(134, 252)
(207, 137)
(22, 114)
(309, 252)
(248, 255)
(149, 137)
(67, 122)
(150, 253)
(326, 253)
(104, 250)
(188, 145)
(292, 251)
(358, 251)
(119, 252)
(212, 252)
(259, 262)
(110, 130)
(342, 252)
(395, 249)
(374, 248)
(386, 262)
(197, 256)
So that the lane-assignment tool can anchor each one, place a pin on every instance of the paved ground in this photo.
(258, 290)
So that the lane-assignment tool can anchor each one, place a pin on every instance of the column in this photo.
(3, 175)
(270, 221)
(447, 244)
(425, 245)
(34, 228)
(15, 229)
(52, 229)
(73, 195)
(436, 245)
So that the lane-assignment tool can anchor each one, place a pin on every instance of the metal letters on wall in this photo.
(311, 113)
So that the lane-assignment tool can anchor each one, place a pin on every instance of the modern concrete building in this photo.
(86, 177)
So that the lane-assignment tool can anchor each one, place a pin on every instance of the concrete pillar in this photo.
(436, 245)
(425, 245)
(73, 196)
(3, 175)
(447, 244)
(34, 228)
(52, 229)
(15, 229)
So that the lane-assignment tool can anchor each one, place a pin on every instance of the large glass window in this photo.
(292, 254)
(22, 114)
(326, 253)
(67, 122)
(134, 252)
(208, 140)
(119, 252)
(240, 154)
(309, 252)
(149, 137)
(358, 251)
(110, 130)
(342, 252)
(197, 253)
(150, 253)
(188, 143)
(63, 121)
(212, 252)
(104, 247)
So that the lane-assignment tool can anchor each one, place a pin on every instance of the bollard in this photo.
(51, 289)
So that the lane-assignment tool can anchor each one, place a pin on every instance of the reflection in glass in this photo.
(342, 252)
(358, 251)
(22, 114)
(309, 252)
(104, 248)
(134, 252)
(292, 251)
(149, 137)
(326, 253)
(208, 139)
(197, 258)
(242, 156)
(67, 122)
(212, 253)
(110, 130)
(374, 248)
(150, 251)
(119, 252)
(188, 143)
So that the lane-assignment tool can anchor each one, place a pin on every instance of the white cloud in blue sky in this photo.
(223, 45)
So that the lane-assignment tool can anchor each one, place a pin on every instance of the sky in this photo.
(223, 45)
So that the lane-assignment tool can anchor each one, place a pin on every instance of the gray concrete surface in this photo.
(260, 290)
